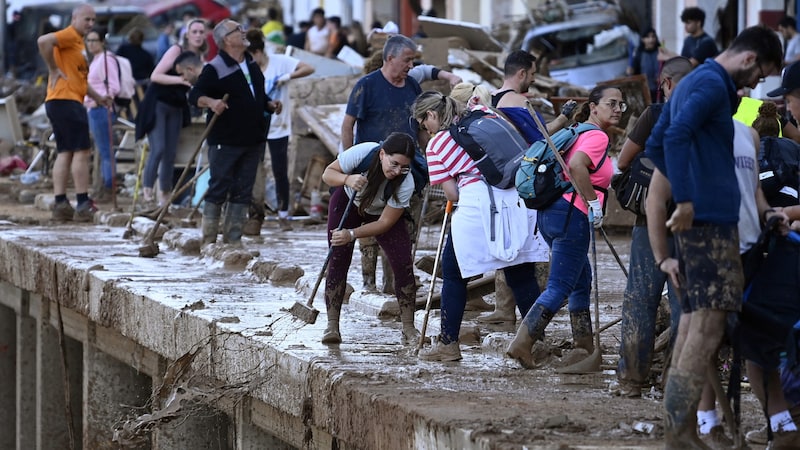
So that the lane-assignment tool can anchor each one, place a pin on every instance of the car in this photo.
(162, 12)
(43, 18)
(582, 50)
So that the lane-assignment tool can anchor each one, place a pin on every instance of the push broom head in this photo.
(305, 313)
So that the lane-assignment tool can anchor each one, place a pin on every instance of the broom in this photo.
(306, 312)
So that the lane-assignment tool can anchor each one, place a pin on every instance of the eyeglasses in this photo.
(394, 165)
(237, 29)
(92, 40)
(613, 105)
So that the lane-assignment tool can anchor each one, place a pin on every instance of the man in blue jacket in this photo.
(236, 142)
(692, 144)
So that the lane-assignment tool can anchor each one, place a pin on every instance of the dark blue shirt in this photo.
(699, 48)
(692, 144)
(381, 108)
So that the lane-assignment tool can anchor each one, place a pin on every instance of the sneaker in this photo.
(758, 436)
(440, 351)
(627, 389)
(85, 211)
(283, 223)
(63, 212)
(716, 438)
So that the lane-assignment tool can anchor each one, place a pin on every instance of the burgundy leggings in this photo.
(395, 243)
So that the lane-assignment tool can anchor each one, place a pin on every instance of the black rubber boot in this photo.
(582, 336)
(681, 397)
(234, 221)
(530, 330)
(211, 213)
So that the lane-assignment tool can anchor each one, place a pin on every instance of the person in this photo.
(645, 281)
(464, 254)
(318, 34)
(236, 142)
(278, 70)
(518, 76)
(374, 213)
(103, 77)
(645, 61)
(163, 118)
(298, 39)
(357, 39)
(787, 27)
(337, 38)
(700, 167)
(378, 105)
(142, 63)
(11, 43)
(273, 29)
(164, 41)
(566, 225)
(698, 45)
(67, 85)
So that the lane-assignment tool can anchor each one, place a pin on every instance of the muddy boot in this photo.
(504, 306)
(369, 262)
(255, 220)
(681, 397)
(530, 330)
(410, 332)
(211, 213)
(332, 335)
(583, 340)
(234, 221)
(388, 275)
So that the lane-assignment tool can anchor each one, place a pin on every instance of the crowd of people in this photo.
(706, 211)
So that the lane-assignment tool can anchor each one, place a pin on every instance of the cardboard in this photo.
(475, 35)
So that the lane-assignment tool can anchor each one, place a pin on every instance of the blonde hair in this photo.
(463, 92)
(445, 107)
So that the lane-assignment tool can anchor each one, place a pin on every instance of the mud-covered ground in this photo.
(538, 407)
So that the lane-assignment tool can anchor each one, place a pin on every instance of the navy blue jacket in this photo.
(692, 144)
(247, 118)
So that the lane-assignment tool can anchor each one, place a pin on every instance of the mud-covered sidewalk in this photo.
(370, 392)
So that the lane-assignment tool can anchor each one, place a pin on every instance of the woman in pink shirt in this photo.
(566, 226)
(104, 79)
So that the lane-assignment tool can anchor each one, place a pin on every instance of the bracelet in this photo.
(766, 211)
(345, 179)
(352, 235)
(658, 264)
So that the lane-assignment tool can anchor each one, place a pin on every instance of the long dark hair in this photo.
(395, 143)
(583, 112)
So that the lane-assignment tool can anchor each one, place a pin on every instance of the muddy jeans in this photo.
(521, 279)
(639, 310)
(395, 243)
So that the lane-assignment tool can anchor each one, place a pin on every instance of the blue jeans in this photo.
(640, 308)
(100, 128)
(163, 139)
(566, 230)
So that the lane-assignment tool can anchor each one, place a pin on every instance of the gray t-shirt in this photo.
(350, 159)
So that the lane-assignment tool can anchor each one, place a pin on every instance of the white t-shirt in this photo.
(318, 39)
(792, 49)
(278, 66)
(350, 159)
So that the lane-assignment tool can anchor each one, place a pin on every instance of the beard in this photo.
(743, 78)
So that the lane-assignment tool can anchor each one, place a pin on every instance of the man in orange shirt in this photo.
(67, 84)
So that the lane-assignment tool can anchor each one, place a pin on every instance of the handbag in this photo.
(632, 184)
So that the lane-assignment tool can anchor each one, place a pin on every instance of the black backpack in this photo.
(419, 170)
(779, 169)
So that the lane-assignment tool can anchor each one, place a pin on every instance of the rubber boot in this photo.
(369, 262)
(504, 306)
(332, 335)
(211, 213)
(681, 397)
(530, 330)
(234, 222)
(583, 340)
(255, 220)
(410, 332)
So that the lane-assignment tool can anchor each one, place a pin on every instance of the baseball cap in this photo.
(790, 80)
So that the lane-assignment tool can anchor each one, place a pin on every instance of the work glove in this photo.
(569, 108)
(596, 213)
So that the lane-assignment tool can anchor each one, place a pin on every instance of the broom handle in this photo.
(447, 211)
(350, 202)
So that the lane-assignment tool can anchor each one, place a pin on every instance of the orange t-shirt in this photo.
(69, 57)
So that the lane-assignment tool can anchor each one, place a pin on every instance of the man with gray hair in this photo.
(236, 142)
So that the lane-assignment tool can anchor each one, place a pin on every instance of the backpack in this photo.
(493, 143)
(127, 84)
(419, 170)
(632, 184)
(779, 169)
(540, 180)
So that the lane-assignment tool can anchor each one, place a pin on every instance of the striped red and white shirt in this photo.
(448, 160)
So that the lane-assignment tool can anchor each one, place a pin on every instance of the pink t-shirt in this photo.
(97, 77)
(594, 144)
(448, 160)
